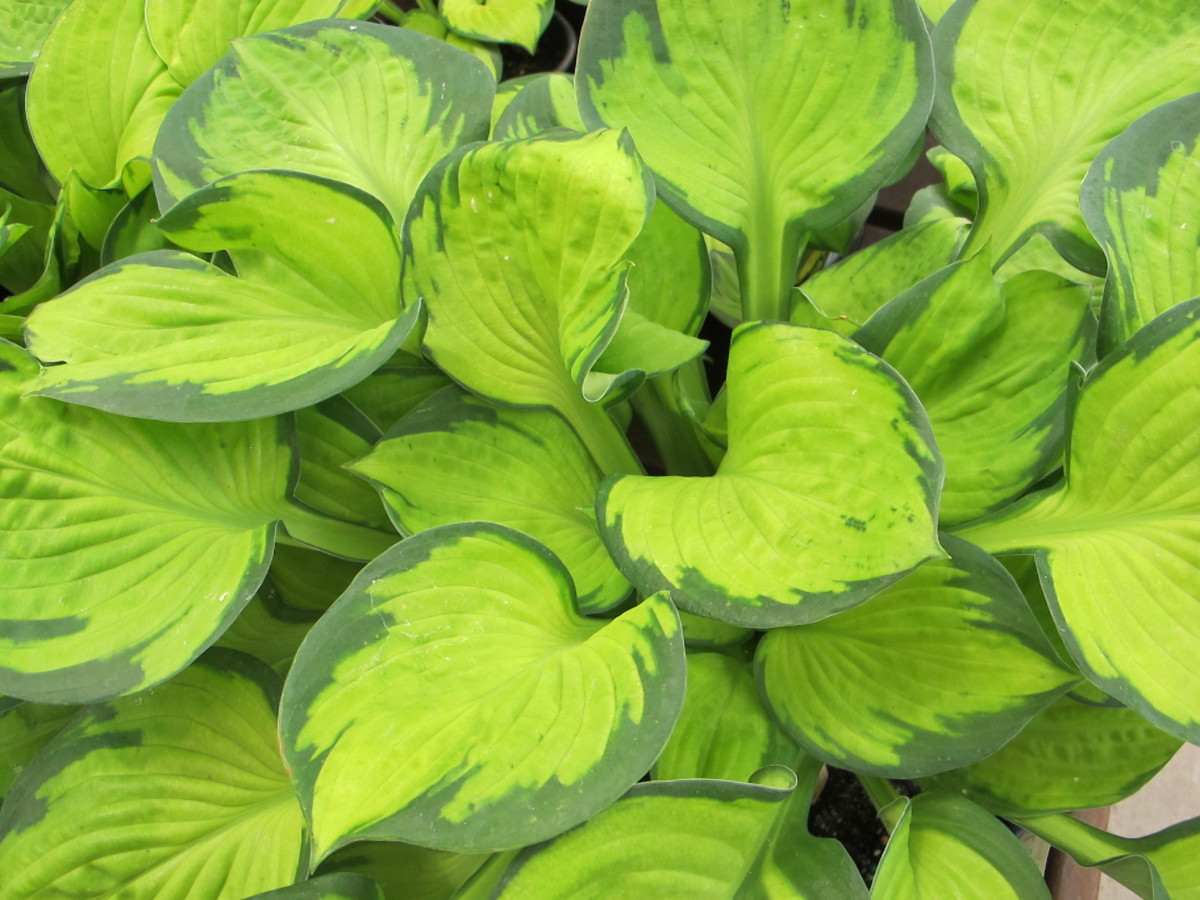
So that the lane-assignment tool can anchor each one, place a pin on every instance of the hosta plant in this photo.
(378, 523)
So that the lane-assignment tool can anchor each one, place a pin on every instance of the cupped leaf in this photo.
(167, 336)
(516, 248)
(25, 26)
(949, 847)
(506, 716)
(307, 579)
(1098, 66)
(130, 545)
(724, 731)
(798, 113)
(939, 670)
(500, 21)
(671, 278)
(1071, 756)
(21, 170)
(332, 435)
(268, 629)
(826, 495)
(1118, 541)
(192, 35)
(370, 105)
(406, 872)
(1141, 200)
(849, 292)
(201, 752)
(134, 230)
(396, 388)
(991, 364)
(76, 81)
(457, 458)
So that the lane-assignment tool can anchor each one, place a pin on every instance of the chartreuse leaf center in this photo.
(827, 493)
(454, 698)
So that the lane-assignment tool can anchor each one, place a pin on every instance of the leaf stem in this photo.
(884, 796)
(672, 430)
(1087, 844)
(766, 267)
(601, 435)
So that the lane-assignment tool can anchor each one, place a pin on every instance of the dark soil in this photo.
(845, 812)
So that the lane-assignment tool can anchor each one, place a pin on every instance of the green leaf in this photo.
(517, 247)
(341, 886)
(24, 730)
(849, 292)
(76, 81)
(1096, 67)
(1141, 199)
(500, 21)
(520, 718)
(396, 388)
(948, 847)
(939, 670)
(308, 579)
(200, 751)
(540, 102)
(826, 495)
(130, 545)
(670, 279)
(24, 25)
(703, 633)
(167, 336)
(990, 363)
(406, 872)
(21, 171)
(640, 347)
(268, 629)
(798, 113)
(1071, 756)
(192, 35)
(134, 230)
(370, 105)
(457, 458)
(1118, 541)
(724, 731)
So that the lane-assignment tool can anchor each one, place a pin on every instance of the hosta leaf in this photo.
(516, 249)
(1071, 756)
(1141, 200)
(25, 24)
(201, 753)
(20, 166)
(130, 545)
(848, 293)
(724, 731)
(167, 336)
(134, 230)
(939, 670)
(407, 872)
(826, 494)
(24, 730)
(457, 458)
(949, 847)
(507, 717)
(191, 35)
(541, 102)
(703, 633)
(501, 21)
(268, 629)
(670, 280)
(776, 133)
(307, 579)
(1118, 541)
(76, 81)
(332, 435)
(339, 886)
(370, 105)
(396, 388)
(990, 363)
(1098, 66)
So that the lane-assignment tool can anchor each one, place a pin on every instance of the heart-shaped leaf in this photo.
(778, 132)
(951, 843)
(826, 495)
(201, 752)
(506, 716)
(191, 35)
(500, 21)
(990, 363)
(1141, 199)
(129, 545)
(1071, 756)
(168, 336)
(1031, 148)
(407, 871)
(542, 101)
(457, 458)
(1118, 541)
(516, 248)
(948, 664)
(301, 99)
(76, 81)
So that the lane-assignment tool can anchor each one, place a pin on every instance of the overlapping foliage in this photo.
(371, 527)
